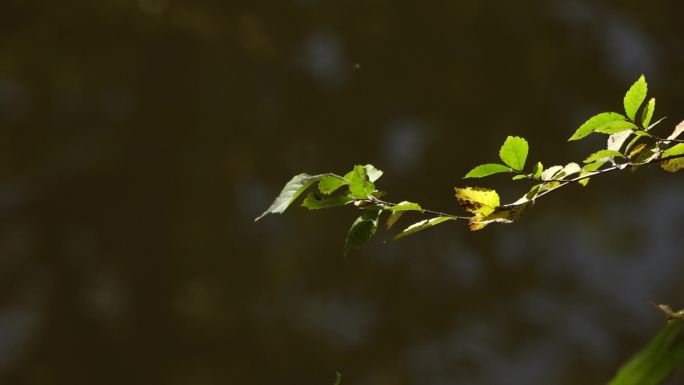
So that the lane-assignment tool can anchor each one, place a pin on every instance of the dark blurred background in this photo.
(139, 139)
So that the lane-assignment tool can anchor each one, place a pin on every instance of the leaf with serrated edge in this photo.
(360, 186)
(647, 113)
(514, 152)
(422, 225)
(603, 154)
(293, 189)
(594, 122)
(477, 200)
(486, 170)
(361, 231)
(635, 96)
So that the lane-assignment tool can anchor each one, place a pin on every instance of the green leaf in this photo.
(615, 127)
(584, 181)
(673, 165)
(294, 188)
(477, 200)
(422, 225)
(518, 177)
(360, 186)
(361, 231)
(595, 122)
(647, 113)
(373, 173)
(329, 184)
(677, 149)
(514, 152)
(486, 170)
(537, 170)
(591, 167)
(635, 96)
(312, 202)
(663, 354)
(405, 206)
(603, 154)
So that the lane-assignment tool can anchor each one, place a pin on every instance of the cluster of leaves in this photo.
(630, 143)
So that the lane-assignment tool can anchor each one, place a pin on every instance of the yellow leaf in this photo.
(477, 200)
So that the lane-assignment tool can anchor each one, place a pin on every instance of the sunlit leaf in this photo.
(569, 169)
(615, 127)
(591, 167)
(361, 231)
(551, 172)
(635, 96)
(677, 131)
(584, 181)
(422, 225)
(486, 170)
(312, 202)
(329, 184)
(595, 122)
(663, 354)
(373, 173)
(294, 188)
(360, 185)
(518, 177)
(537, 170)
(477, 200)
(673, 165)
(677, 149)
(603, 154)
(615, 141)
(514, 152)
(647, 113)
(405, 206)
